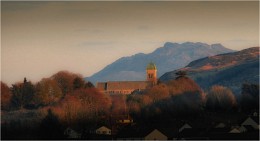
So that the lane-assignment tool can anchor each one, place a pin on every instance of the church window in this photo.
(150, 75)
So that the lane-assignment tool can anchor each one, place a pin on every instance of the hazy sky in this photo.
(39, 39)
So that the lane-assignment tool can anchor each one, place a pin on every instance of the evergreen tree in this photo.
(23, 94)
(181, 74)
(78, 83)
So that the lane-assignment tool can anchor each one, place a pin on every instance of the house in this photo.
(253, 121)
(234, 130)
(186, 125)
(95, 132)
(71, 134)
(255, 114)
(155, 135)
(170, 131)
(137, 132)
(103, 130)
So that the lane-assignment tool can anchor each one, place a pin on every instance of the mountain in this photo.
(230, 70)
(167, 58)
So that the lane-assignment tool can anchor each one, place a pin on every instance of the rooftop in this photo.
(151, 66)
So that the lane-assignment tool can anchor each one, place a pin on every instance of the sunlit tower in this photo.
(151, 73)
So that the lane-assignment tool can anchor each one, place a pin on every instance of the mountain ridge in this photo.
(229, 69)
(169, 57)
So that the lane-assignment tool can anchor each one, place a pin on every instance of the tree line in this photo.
(70, 101)
(48, 91)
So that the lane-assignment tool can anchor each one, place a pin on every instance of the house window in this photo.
(104, 132)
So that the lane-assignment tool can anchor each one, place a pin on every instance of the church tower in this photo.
(151, 73)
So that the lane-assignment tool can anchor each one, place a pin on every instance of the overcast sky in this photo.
(42, 38)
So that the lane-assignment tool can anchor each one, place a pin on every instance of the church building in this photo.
(127, 87)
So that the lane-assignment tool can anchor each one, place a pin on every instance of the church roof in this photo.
(151, 66)
(126, 85)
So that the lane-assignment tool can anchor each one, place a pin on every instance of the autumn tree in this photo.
(96, 101)
(71, 110)
(23, 94)
(182, 85)
(47, 92)
(84, 104)
(158, 92)
(65, 81)
(5, 97)
(220, 98)
(180, 96)
(136, 102)
(119, 106)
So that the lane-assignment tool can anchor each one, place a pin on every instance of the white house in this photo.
(250, 121)
(186, 125)
(103, 130)
(234, 130)
(155, 135)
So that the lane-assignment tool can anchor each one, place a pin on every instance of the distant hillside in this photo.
(169, 57)
(230, 69)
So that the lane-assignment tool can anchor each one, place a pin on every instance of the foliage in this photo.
(47, 92)
(88, 85)
(182, 85)
(178, 97)
(188, 103)
(136, 102)
(119, 106)
(83, 104)
(158, 92)
(78, 83)
(65, 81)
(250, 97)
(181, 74)
(220, 98)
(5, 97)
(23, 94)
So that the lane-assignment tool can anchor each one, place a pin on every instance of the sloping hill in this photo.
(230, 70)
(169, 57)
